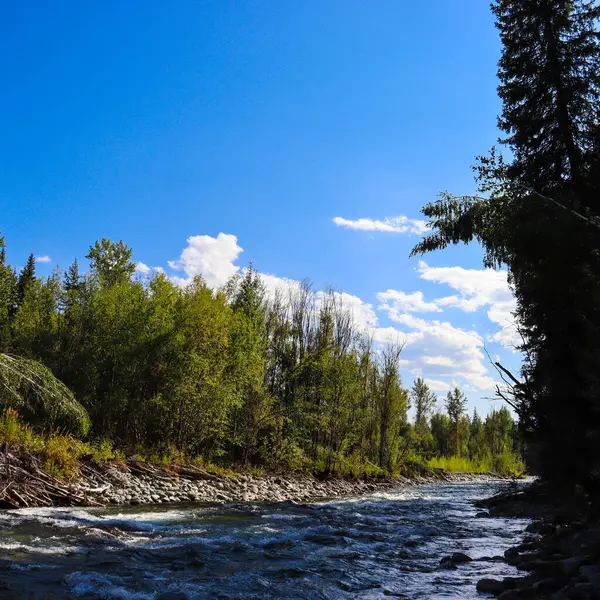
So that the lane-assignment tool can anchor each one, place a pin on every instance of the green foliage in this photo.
(26, 278)
(424, 401)
(43, 400)
(460, 464)
(235, 377)
(62, 455)
(111, 262)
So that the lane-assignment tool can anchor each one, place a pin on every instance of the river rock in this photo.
(540, 527)
(454, 559)
(570, 566)
(490, 586)
(510, 595)
(582, 591)
(546, 586)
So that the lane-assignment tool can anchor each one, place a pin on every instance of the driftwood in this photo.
(25, 483)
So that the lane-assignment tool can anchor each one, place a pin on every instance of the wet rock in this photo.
(581, 591)
(510, 595)
(490, 559)
(570, 566)
(546, 586)
(490, 586)
(540, 527)
(454, 559)
(591, 574)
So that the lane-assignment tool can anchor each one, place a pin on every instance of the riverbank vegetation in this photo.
(236, 376)
(538, 215)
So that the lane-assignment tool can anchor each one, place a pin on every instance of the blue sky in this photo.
(160, 123)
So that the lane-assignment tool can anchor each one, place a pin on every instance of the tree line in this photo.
(235, 375)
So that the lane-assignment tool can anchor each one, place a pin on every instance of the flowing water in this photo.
(378, 546)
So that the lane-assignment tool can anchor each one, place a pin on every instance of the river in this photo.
(386, 545)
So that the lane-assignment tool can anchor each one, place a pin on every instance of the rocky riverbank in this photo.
(25, 484)
(560, 554)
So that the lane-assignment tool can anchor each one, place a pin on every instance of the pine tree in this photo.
(72, 280)
(456, 403)
(550, 91)
(424, 401)
(26, 276)
(549, 85)
(71, 286)
(7, 295)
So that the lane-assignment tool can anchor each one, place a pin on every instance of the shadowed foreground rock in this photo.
(560, 557)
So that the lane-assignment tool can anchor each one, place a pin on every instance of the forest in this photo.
(234, 377)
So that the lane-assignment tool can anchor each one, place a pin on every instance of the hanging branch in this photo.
(573, 212)
(28, 384)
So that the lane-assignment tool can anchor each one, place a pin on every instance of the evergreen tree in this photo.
(72, 281)
(111, 262)
(539, 220)
(7, 295)
(441, 431)
(477, 442)
(26, 277)
(424, 401)
(456, 403)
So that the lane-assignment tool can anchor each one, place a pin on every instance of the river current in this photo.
(385, 545)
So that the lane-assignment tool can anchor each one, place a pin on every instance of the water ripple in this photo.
(387, 545)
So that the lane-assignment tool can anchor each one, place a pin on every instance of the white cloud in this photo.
(478, 288)
(387, 335)
(362, 313)
(438, 386)
(44, 258)
(400, 224)
(281, 285)
(210, 257)
(438, 349)
(143, 268)
(145, 271)
(439, 361)
(442, 353)
(395, 302)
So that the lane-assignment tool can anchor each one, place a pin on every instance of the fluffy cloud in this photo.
(145, 271)
(438, 361)
(279, 285)
(438, 386)
(395, 302)
(143, 268)
(443, 354)
(475, 289)
(438, 349)
(362, 313)
(210, 257)
(44, 258)
(401, 224)
(478, 288)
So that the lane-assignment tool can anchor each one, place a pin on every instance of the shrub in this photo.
(62, 455)
(10, 426)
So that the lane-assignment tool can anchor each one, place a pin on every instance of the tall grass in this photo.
(61, 454)
(506, 464)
